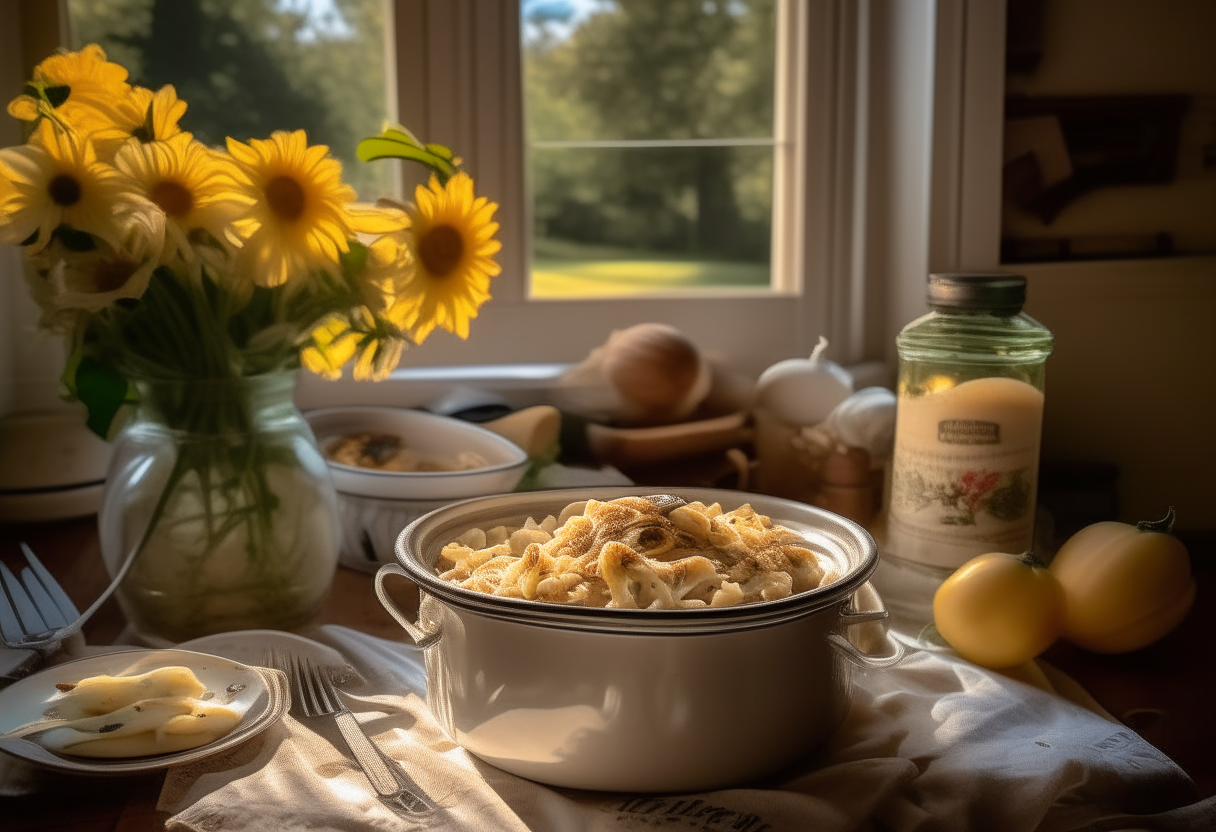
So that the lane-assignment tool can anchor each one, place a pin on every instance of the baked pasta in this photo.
(635, 553)
(385, 452)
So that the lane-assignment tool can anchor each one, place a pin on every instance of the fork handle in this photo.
(385, 774)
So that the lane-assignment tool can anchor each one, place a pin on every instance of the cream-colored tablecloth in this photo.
(934, 743)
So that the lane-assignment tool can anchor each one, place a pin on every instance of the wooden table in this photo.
(1163, 692)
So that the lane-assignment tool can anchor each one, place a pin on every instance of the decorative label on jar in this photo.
(968, 432)
(964, 472)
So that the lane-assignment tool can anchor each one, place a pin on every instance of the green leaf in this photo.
(355, 260)
(380, 147)
(68, 377)
(102, 389)
(402, 134)
(441, 151)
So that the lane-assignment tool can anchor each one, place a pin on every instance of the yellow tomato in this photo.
(1000, 610)
(1125, 586)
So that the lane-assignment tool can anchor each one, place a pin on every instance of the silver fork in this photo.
(315, 694)
(35, 612)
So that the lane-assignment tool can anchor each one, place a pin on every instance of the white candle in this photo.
(965, 470)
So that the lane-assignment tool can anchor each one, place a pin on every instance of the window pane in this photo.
(650, 144)
(249, 67)
(616, 221)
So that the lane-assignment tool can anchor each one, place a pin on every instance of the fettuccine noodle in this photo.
(630, 553)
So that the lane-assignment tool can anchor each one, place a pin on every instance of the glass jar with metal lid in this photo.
(969, 423)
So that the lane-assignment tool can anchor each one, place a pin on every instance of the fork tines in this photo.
(34, 605)
(314, 689)
(313, 693)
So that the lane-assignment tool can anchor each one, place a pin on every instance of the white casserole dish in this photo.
(640, 700)
(376, 505)
(436, 437)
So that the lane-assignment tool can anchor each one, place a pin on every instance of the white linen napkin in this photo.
(934, 743)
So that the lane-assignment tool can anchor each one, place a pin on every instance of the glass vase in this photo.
(222, 500)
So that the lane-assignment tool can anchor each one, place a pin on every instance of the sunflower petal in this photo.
(367, 220)
(23, 107)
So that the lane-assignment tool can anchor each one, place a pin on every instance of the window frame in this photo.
(459, 84)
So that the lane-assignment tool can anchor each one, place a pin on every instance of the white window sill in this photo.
(519, 385)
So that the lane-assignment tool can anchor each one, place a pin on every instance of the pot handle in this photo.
(423, 636)
(866, 608)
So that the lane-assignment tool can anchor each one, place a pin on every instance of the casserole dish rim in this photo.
(862, 562)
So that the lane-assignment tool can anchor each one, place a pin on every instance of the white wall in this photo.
(31, 360)
(1132, 379)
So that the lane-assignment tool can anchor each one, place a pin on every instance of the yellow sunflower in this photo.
(372, 333)
(298, 217)
(81, 89)
(92, 280)
(377, 358)
(142, 114)
(332, 344)
(192, 185)
(357, 335)
(453, 247)
(386, 268)
(56, 180)
(152, 116)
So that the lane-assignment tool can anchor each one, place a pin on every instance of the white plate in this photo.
(251, 646)
(260, 696)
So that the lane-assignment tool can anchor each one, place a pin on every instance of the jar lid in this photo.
(1002, 294)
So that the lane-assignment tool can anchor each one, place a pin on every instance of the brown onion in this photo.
(657, 370)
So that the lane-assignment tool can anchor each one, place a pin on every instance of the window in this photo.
(879, 173)
(460, 84)
(250, 67)
(650, 148)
